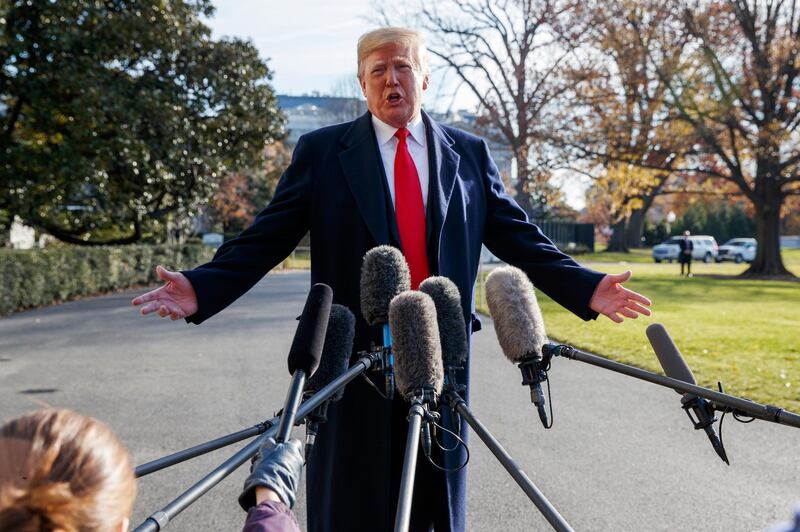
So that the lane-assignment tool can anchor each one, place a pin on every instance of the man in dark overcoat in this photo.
(685, 249)
(393, 176)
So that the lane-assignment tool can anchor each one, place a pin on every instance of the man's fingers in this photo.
(150, 307)
(628, 313)
(174, 311)
(613, 316)
(162, 311)
(620, 277)
(152, 295)
(638, 308)
(166, 275)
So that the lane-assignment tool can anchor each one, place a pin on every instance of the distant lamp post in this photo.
(670, 220)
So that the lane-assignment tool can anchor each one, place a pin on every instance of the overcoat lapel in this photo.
(363, 170)
(444, 169)
(362, 165)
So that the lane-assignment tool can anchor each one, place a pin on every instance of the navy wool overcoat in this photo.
(335, 188)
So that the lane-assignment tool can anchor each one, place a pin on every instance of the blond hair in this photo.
(375, 39)
(63, 471)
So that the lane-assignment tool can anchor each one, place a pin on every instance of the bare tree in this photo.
(615, 122)
(744, 106)
(508, 54)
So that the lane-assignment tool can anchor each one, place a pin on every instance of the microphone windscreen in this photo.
(336, 351)
(668, 355)
(449, 317)
(516, 314)
(415, 343)
(384, 274)
(310, 335)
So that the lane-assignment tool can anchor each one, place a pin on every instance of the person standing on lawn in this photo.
(685, 253)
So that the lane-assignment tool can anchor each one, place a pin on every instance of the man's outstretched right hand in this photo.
(175, 299)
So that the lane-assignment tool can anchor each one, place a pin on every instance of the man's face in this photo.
(393, 84)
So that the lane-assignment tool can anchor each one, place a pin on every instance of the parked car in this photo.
(738, 250)
(704, 248)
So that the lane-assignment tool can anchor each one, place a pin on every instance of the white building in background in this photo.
(22, 236)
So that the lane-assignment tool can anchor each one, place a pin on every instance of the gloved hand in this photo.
(278, 466)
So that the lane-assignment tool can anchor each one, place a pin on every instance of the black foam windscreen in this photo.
(668, 355)
(516, 314)
(384, 274)
(415, 343)
(449, 317)
(309, 338)
(336, 351)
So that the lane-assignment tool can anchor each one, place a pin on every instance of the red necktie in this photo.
(410, 211)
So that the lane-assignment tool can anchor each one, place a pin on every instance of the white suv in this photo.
(738, 250)
(704, 248)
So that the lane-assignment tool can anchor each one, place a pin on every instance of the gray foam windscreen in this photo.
(449, 317)
(516, 314)
(415, 342)
(668, 355)
(384, 274)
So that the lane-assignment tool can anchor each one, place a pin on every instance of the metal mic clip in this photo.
(427, 399)
(704, 419)
(534, 373)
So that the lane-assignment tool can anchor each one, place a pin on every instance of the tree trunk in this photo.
(523, 184)
(617, 241)
(768, 260)
(635, 229)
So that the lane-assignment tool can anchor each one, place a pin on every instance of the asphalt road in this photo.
(621, 455)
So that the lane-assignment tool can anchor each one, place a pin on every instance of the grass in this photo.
(745, 333)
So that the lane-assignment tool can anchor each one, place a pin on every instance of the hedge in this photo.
(32, 278)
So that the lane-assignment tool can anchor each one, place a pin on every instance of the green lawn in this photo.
(745, 333)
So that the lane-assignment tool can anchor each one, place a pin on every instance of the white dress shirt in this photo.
(417, 147)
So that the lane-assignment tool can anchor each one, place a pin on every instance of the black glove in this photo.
(278, 467)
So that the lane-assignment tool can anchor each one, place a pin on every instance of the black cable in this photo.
(549, 398)
(460, 442)
(374, 387)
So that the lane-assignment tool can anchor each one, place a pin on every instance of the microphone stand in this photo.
(452, 398)
(203, 448)
(417, 413)
(719, 400)
(161, 518)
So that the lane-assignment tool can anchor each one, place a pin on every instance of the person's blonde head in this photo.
(376, 39)
(63, 471)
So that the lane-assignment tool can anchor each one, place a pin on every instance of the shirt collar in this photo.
(384, 132)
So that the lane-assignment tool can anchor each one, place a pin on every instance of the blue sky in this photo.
(310, 44)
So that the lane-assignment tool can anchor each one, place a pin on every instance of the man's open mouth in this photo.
(394, 97)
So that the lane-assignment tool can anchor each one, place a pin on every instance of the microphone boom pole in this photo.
(415, 415)
(770, 413)
(537, 497)
(203, 448)
(159, 519)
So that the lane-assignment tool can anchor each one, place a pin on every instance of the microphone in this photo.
(520, 330)
(419, 375)
(452, 328)
(419, 372)
(384, 275)
(674, 366)
(333, 363)
(305, 353)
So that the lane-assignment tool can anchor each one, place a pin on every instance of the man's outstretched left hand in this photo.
(613, 300)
